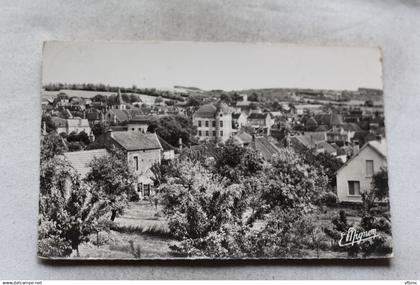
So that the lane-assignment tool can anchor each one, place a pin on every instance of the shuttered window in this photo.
(354, 187)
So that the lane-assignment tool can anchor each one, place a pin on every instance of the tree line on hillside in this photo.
(107, 88)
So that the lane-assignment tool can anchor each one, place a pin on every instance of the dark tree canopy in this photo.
(172, 128)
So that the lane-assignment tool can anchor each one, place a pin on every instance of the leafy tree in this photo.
(68, 211)
(163, 171)
(193, 102)
(99, 98)
(172, 128)
(75, 146)
(135, 98)
(234, 162)
(196, 202)
(112, 180)
(49, 124)
(253, 97)
(329, 164)
(380, 184)
(236, 97)
(51, 145)
(291, 183)
(100, 128)
(226, 98)
(208, 214)
(62, 95)
(83, 137)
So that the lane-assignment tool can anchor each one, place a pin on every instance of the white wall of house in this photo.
(242, 120)
(111, 117)
(145, 158)
(219, 127)
(137, 127)
(356, 170)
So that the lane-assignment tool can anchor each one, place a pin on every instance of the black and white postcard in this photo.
(183, 150)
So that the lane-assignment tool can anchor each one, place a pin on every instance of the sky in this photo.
(227, 66)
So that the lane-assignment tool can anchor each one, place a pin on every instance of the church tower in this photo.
(120, 104)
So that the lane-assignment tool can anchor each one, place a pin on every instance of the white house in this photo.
(213, 122)
(142, 150)
(355, 176)
(139, 123)
(71, 125)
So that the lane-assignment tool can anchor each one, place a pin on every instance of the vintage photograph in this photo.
(183, 150)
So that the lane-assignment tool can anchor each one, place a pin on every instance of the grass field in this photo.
(141, 233)
(139, 226)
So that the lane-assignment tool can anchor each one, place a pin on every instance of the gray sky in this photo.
(228, 66)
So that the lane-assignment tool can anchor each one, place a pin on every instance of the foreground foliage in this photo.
(213, 213)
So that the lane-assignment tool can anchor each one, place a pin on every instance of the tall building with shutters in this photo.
(213, 122)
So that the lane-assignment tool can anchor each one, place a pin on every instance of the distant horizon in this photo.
(205, 90)
(226, 66)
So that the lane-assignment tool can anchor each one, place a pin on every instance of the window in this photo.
(140, 187)
(213, 124)
(214, 133)
(354, 187)
(139, 129)
(369, 168)
(146, 190)
(221, 124)
(132, 129)
(221, 133)
(199, 133)
(199, 123)
(207, 133)
(136, 163)
(207, 123)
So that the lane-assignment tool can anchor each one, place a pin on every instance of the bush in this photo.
(382, 224)
(329, 199)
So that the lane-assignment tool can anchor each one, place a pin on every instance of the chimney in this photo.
(109, 133)
(180, 143)
(91, 137)
(356, 147)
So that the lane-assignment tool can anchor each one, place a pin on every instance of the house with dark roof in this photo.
(118, 116)
(311, 124)
(239, 119)
(94, 116)
(213, 122)
(142, 151)
(261, 122)
(355, 176)
(342, 134)
(265, 148)
(140, 123)
(315, 141)
(242, 139)
(68, 126)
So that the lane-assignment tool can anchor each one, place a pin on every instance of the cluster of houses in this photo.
(354, 135)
